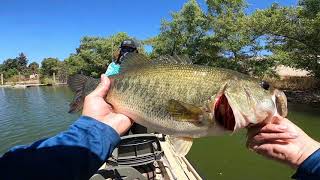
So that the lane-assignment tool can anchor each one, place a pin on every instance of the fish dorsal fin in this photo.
(133, 60)
(77, 81)
(184, 111)
(181, 145)
(175, 59)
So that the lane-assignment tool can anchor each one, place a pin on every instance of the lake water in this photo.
(30, 114)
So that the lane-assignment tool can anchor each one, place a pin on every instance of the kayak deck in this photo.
(146, 156)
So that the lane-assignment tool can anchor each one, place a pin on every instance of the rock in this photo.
(304, 97)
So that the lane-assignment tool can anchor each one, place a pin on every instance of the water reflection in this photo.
(2, 92)
(33, 113)
(38, 112)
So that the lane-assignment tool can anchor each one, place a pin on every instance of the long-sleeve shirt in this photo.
(310, 168)
(74, 154)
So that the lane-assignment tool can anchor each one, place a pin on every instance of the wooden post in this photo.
(111, 49)
(1, 79)
(54, 78)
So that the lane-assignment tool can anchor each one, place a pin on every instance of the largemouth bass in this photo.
(171, 96)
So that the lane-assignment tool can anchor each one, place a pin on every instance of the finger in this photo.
(291, 127)
(267, 138)
(103, 87)
(264, 137)
(273, 128)
(267, 128)
(277, 151)
(253, 145)
(267, 150)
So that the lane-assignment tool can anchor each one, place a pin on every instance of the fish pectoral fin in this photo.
(184, 111)
(181, 145)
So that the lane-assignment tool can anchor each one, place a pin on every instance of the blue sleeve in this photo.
(74, 154)
(113, 69)
(310, 168)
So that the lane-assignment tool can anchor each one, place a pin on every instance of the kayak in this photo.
(144, 157)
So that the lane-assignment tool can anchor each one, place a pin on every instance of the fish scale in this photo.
(182, 99)
(161, 83)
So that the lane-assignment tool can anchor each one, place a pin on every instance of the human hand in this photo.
(96, 107)
(281, 140)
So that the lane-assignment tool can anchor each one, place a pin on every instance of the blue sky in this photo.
(53, 28)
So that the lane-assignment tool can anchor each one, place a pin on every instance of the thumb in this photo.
(103, 87)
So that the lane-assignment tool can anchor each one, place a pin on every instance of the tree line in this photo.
(222, 34)
(19, 65)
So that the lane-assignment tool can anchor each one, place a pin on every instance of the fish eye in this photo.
(265, 85)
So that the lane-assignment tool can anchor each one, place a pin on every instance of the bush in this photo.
(14, 79)
(10, 72)
(46, 80)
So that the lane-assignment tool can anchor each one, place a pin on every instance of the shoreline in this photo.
(303, 97)
(293, 96)
(23, 86)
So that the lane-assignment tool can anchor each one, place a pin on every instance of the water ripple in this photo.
(27, 115)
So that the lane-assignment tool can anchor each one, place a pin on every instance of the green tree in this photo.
(185, 34)
(227, 22)
(10, 68)
(292, 34)
(33, 67)
(49, 66)
(62, 73)
(233, 33)
(10, 64)
(94, 54)
(220, 37)
(22, 62)
(310, 8)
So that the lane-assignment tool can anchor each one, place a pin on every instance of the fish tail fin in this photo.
(77, 84)
(181, 145)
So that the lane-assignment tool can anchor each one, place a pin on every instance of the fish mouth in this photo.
(280, 100)
(223, 113)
